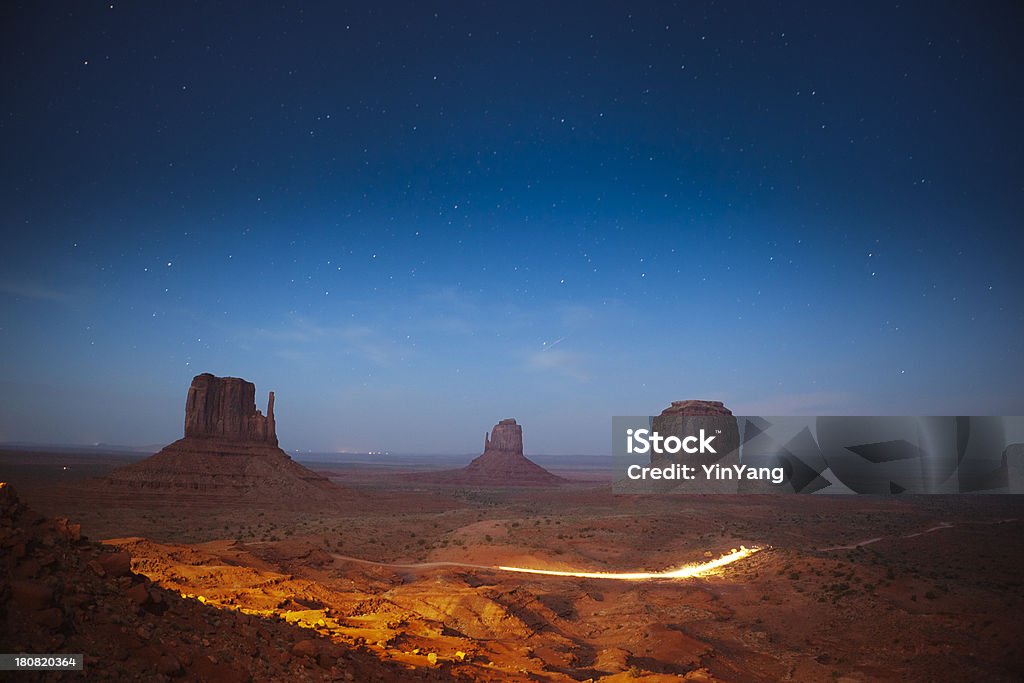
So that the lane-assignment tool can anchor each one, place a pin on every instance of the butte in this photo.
(229, 450)
(501, 464)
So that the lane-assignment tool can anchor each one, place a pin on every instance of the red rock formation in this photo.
(230, 448)
(62, 593)
(226, 407)
(503, 463)
(696, 408)
(685, 418)
(507, 436)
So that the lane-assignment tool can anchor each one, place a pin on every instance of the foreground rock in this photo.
(60, 593)
(230, 448)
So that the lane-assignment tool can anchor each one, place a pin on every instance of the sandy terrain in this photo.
(852, 588)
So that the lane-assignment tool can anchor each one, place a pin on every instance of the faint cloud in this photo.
(566, 363)
(26, 290)
(450, 325)
(298, 356)
(368, 343)
(303, 340)
(455, 311)
(449, 310)
(577, 316)
(812, 403)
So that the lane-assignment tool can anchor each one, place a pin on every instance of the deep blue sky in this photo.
(412, 220)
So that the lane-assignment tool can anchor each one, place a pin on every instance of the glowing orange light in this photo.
(689, 571)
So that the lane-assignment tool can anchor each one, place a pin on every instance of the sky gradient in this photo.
(412, 220)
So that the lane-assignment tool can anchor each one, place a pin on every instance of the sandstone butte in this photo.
(684, 418)
(697, 408)
(229, 448)
(502, 462)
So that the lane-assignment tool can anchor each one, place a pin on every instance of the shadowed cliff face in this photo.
(225, 407)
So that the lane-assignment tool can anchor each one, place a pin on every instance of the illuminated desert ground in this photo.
(841, 588)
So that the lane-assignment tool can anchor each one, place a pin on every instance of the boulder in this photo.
(305, 648)
(115, 564)
(138, 594)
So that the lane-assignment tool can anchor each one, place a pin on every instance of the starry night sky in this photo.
(411, 220)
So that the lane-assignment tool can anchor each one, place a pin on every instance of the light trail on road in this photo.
(690, 571)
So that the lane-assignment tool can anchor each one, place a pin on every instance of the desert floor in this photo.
(847, 588)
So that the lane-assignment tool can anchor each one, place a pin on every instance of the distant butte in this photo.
(684, 418)
(692, 408)
(230, 448)
(503, 463)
